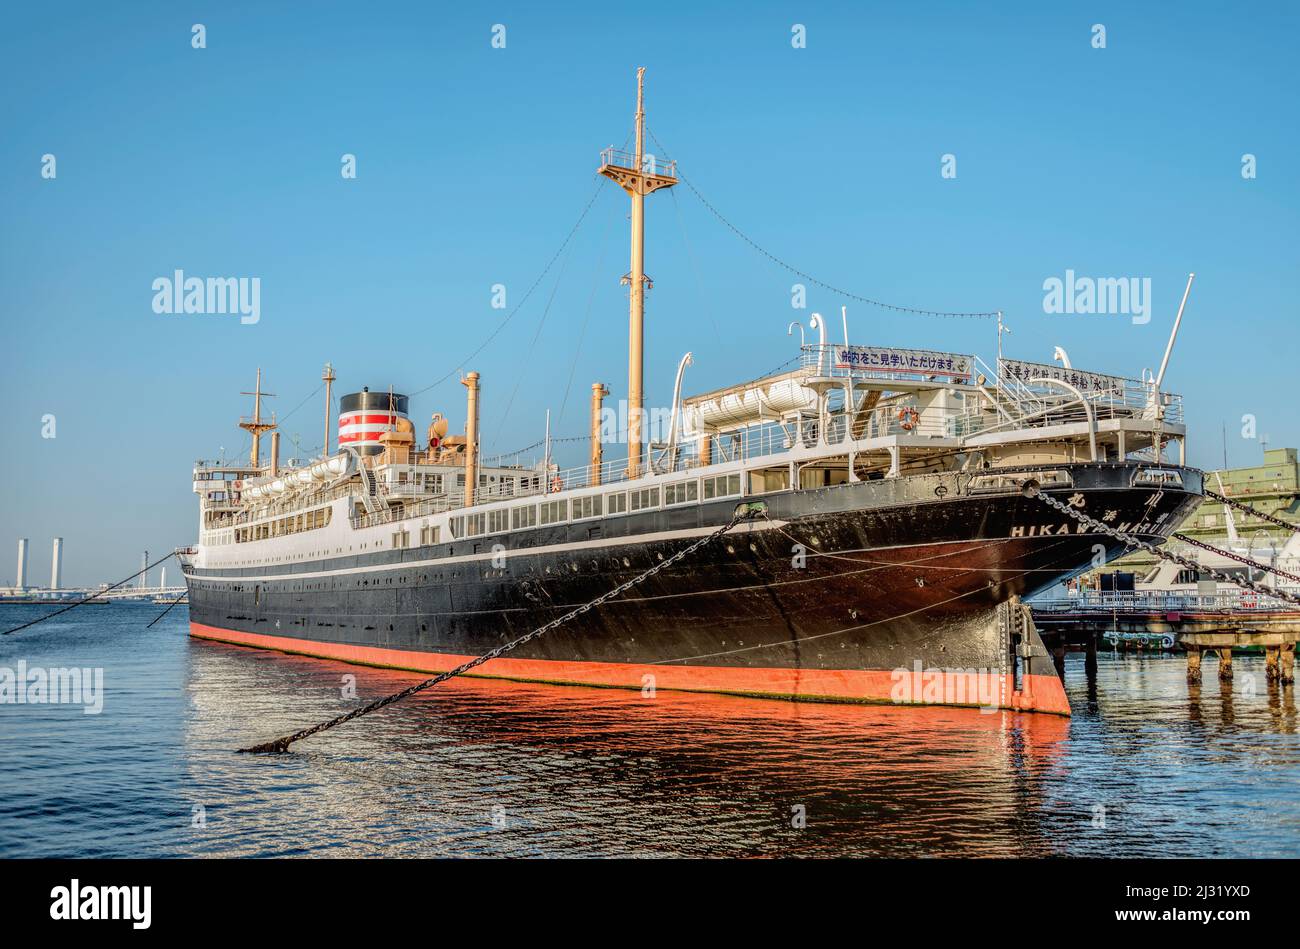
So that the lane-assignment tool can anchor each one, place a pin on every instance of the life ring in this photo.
(908, 419)
(556, 485)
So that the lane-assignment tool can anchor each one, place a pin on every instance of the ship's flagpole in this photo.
(1173, 335)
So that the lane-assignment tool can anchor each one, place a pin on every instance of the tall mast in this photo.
(638, 176)
(255, 426)
(328, 378)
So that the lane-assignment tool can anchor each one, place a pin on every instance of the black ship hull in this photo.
(903, 590)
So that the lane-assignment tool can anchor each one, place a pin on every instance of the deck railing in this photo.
(1160, 601)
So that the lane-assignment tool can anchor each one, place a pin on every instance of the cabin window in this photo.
(474, 524)
(457, 527)
(522, 517)
(554, 512)
(645, 498)
(616, 503)
(587, 507)
(681, 492)
(401, 539)
(723, 486)
(769, 479)
(428, 535)
(498, 521)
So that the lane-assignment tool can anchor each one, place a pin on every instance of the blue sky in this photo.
(474, 162)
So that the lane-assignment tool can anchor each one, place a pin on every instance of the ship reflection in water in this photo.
(492, 767)
(483, 767)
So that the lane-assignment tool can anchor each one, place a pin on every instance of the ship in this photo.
(885, 508)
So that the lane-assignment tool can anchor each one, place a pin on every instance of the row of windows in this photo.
(592, 505)
(723, 486)
(554, 512)
(293, 524)
(681, 492)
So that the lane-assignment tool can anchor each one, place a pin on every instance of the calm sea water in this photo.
(476, 767)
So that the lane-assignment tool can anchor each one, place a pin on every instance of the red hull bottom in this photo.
(1038, 693)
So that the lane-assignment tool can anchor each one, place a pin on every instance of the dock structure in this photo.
(1279, 652)
(1197, 623)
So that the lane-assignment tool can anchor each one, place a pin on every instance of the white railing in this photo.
(650, 164)
(1160, 601)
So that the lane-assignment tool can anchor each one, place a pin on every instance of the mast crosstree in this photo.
(255, 426)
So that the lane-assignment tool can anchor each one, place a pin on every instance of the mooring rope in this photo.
(743, 512)
(94, 595)
(184, 593)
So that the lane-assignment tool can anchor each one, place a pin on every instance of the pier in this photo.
(65, 595)
(1215, 623)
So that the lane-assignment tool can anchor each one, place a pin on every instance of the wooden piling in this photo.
(1225, 662)
(1193, 663)
(1272, 663)
(1287, 662)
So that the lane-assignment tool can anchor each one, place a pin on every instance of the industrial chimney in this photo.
(22, 564)
(56, 564)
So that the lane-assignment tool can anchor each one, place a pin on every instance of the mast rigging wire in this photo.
(559, 278)
(518, 306)
(586, 319)
(918, 311)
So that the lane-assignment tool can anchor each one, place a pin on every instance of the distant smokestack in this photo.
(275, 454)
(56, 564)
(22, 564)
(144, 565)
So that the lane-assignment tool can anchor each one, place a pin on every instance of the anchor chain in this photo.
(743, 512)
(1247, 509)
(1235, 556)
(1135, 543)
